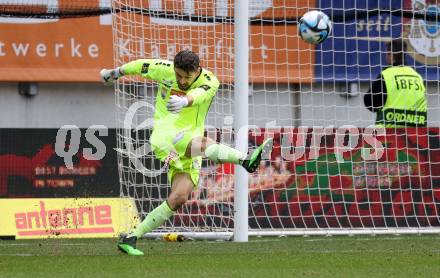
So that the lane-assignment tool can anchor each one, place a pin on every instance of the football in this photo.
(314, 27)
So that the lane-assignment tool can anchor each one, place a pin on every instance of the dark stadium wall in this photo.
(32, 166)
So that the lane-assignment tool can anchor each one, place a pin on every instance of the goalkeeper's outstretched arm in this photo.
(148, 68)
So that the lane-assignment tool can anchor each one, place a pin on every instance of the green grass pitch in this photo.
(337, 256)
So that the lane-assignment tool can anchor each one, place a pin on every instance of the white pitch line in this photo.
(52, 255)
(250, 241)
(15, 244)
(50, 244)
(330, 238)
(17, 255)
(264, 240)
(359, 239)
(370, 251)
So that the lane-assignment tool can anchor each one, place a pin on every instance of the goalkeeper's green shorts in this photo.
(170, 147)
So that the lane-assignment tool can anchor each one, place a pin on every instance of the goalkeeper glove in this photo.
(176, 103)
(108, 77)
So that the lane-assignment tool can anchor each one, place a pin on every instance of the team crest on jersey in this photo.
(144, 69)
(423, 36)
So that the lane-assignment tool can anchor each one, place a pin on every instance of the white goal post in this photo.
(330, 171)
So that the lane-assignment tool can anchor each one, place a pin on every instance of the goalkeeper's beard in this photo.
(184, 87)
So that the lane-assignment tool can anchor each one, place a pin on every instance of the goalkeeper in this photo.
(184, 96)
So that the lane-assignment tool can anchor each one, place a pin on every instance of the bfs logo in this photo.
(423, 36)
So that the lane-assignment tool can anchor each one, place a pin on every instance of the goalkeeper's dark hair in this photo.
(187, 61)
(397, 48)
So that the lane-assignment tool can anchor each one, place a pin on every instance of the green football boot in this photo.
(128, 245)
(252, 162)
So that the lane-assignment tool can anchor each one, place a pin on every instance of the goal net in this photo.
(329, 171)
(48, 9)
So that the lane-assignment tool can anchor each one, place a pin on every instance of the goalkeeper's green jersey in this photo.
(191, 118)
